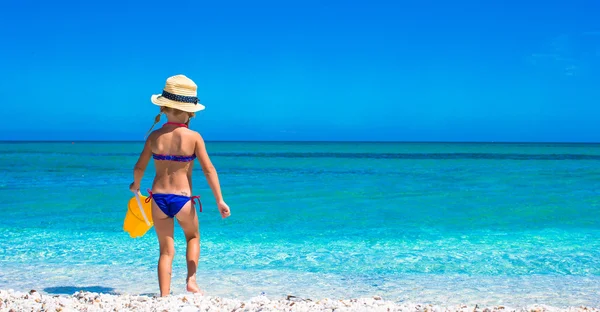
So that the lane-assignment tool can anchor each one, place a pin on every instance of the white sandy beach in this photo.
(32, 300)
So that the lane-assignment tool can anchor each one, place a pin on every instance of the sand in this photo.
(32, 300)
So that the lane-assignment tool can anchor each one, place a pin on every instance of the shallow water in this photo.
(508, 224)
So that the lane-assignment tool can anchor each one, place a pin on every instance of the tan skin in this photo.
(176, 178)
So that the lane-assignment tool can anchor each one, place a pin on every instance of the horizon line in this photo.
(310, 141)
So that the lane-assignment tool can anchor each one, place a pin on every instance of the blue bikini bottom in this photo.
(171, 204)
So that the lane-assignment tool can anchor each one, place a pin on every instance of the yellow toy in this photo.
(138, 219)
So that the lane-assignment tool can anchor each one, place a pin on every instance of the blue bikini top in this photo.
(174, 157)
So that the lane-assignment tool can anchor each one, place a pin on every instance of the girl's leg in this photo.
(163, 226)
(188, 220)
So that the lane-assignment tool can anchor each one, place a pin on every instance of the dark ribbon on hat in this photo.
(179, 98)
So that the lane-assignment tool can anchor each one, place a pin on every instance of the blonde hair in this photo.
(169, 110)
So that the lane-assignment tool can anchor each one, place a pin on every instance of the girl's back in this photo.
(174, 152)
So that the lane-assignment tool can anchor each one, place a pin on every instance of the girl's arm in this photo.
(211, 176)
(140, 165)
(209, 170)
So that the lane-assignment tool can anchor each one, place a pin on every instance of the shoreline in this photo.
(32, 300)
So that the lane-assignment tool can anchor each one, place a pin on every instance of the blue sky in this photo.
(305, 70)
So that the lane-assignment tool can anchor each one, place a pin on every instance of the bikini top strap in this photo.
(176, 124)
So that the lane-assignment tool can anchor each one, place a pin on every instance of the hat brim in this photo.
(159, 100)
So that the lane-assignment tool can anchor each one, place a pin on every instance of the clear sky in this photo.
(305, 70)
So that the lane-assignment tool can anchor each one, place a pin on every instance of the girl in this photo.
(174, 148)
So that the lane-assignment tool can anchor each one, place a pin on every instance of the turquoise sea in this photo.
(441, 223)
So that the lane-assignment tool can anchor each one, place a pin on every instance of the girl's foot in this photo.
(192, 286)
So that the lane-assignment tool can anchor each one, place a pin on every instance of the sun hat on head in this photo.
(180, 92)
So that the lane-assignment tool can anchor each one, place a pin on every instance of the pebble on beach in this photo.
(11, 300)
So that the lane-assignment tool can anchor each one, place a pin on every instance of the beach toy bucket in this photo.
(138, 219)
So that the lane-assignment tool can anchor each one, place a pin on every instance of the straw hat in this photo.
(180, 92)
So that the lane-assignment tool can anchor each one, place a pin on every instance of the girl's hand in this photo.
(223, 209)
(134, 187)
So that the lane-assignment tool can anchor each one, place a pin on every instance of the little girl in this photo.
(174, 148)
